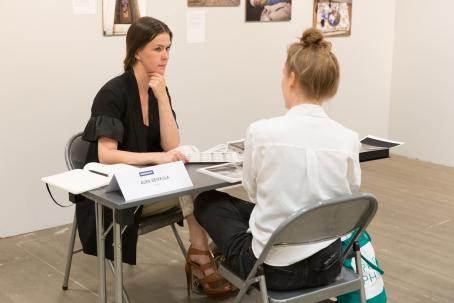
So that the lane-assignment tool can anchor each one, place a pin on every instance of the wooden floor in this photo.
(413, 235)
(414, 229)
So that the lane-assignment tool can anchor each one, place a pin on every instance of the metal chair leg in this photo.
(247, 285)
(180, 242)
(263, 290)
(69, 256)
(241, 293)
(125, 293)
(359, 270)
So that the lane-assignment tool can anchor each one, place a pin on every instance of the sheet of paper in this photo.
(84, 7)
(195, 26)
(220, 148)
(212, 157)
(230, 172)
(236, 146)
(379, 142)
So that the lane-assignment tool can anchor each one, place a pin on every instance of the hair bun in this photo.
(313, 37)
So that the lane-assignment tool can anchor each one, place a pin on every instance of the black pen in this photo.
(99, 173)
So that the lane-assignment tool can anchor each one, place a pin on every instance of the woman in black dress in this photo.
(132, 121)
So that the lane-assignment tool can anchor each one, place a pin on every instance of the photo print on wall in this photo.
(333, 17)
(268, 10)
(119, 14)
(213, 2)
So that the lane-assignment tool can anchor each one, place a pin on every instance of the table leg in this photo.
(101, 252)
(118, 263)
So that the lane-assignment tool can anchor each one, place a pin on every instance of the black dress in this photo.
(117, 114)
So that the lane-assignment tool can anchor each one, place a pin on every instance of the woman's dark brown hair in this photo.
(139, 34)
(316, 68)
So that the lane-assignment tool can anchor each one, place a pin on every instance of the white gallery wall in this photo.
(54, 62)
(422, 102)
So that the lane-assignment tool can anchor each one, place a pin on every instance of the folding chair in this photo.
(330, 219)
(75, 156)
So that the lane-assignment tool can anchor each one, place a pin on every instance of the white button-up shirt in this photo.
(290, 162)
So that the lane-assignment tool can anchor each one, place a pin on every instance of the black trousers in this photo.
(226, 219)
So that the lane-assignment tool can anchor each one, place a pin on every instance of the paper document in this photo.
(374, 143)
(220, 148)
(236, 146)
(230, 172)
(195, 26)
(212, 157)
(84, 7)
(218, 154)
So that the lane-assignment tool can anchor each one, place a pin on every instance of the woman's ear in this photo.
(137, 55)
(292, 79)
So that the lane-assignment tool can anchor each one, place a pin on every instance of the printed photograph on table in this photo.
(213, 2)
(268, 10)
(119, 14)
(333, 17)
(230, 172)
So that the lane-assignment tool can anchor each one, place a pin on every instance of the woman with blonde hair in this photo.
(290, 162)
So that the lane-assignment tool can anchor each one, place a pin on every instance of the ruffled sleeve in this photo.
(103, 126)
(106, 114)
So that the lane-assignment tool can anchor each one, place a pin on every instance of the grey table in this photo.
(116, 202)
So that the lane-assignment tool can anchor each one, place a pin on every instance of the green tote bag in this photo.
(372, 273)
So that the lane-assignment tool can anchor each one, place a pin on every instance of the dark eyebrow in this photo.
(162, 45)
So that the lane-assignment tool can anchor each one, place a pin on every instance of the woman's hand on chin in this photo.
(157, 84)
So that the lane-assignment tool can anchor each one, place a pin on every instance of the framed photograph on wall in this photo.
(333, 17)
(268, 10)
(119, 14)
(213, 2)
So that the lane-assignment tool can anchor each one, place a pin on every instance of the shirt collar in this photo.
(307, 110)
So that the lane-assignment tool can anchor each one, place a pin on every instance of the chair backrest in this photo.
(329, 219)
(76, 151)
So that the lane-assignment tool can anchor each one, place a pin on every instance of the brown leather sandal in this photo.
(213, 285)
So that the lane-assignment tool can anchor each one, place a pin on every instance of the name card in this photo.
(139, 183)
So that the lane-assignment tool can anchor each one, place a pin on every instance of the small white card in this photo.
(137, 184)
(84, 7)
(195, 27)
